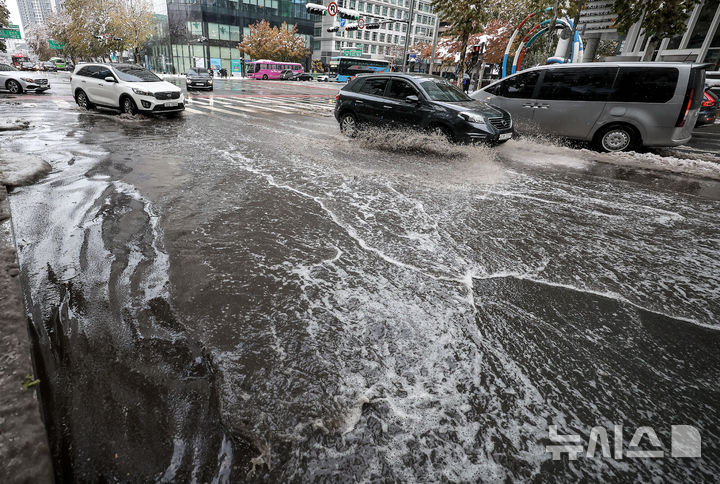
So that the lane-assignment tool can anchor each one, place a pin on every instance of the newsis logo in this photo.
(685, 442)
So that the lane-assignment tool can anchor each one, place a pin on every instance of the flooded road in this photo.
(236, 296)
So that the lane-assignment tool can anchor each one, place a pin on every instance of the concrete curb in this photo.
(24, 451)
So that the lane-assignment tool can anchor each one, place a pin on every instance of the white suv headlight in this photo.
(473, 117)
(142, 93)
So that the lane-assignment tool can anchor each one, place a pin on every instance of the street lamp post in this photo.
(206, 49)
(435, 39)
(408, 34)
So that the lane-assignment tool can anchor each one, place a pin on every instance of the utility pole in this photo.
(435, 39)
(551, 27)
(408, 34)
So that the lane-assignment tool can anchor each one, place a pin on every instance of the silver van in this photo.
(616, 106)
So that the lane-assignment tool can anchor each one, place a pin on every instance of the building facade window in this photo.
(707, 13)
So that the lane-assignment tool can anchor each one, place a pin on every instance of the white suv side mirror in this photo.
(109, 79)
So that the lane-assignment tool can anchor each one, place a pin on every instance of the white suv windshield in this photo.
(135, 74)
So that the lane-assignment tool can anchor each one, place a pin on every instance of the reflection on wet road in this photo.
(256, 297)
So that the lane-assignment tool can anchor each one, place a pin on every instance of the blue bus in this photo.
(349, 67)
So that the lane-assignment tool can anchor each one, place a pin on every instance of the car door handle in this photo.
(528, 105)
(359, 102)
(100, 84)
(385, 106)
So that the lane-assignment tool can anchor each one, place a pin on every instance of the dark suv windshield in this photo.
(135, 74)
(197, 73)
(443, 91)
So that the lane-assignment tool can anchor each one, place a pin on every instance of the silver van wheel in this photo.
(617, 139)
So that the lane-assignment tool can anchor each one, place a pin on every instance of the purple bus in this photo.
(267, 69)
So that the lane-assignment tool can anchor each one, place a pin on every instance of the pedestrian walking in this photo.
(466, 84)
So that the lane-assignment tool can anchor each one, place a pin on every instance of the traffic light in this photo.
(349, 27)
(348, 14)
(477, 50)
(333, 29)
(315, 9)
(372, 26)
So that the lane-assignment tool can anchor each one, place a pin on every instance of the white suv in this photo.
(17, 81)
(127, 87)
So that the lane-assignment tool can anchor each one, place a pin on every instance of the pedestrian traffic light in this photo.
(372, 26)
(333, 29)
(348, 14)
(315, 9)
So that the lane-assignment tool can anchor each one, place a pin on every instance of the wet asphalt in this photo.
(242, 293)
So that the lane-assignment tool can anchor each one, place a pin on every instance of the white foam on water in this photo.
(424, 310)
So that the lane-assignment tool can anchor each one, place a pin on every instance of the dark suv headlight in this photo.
(473, 117)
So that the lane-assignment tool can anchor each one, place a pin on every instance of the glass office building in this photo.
(205, 32)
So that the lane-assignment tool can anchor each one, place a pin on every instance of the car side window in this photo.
(102, 73)
(400, 89)
(645, 85)
(519, 86)
(85, 72)
(374, 87)
(4, 67)
(578, 84)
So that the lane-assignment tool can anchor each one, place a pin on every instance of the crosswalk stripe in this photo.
(225, 111)
(234, 104)
(248, 105)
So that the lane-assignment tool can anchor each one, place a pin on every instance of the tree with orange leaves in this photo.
(278, 44)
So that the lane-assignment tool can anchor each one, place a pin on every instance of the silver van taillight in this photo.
(686, 102)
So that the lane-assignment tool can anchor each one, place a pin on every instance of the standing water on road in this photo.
(237, 301)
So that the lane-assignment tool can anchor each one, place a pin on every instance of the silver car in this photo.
(615, 106)
(19, 81)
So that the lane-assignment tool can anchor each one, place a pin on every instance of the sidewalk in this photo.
(24, 452)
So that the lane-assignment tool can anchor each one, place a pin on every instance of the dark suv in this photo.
(420, 101)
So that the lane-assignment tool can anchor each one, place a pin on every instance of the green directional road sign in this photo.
(13, 27)
(352, 52)
(54, 44)
(9, 34)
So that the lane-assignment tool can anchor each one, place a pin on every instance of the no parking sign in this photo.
(361, 23)
(332, 9)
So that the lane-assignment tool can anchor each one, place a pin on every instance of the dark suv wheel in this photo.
(349, 125)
